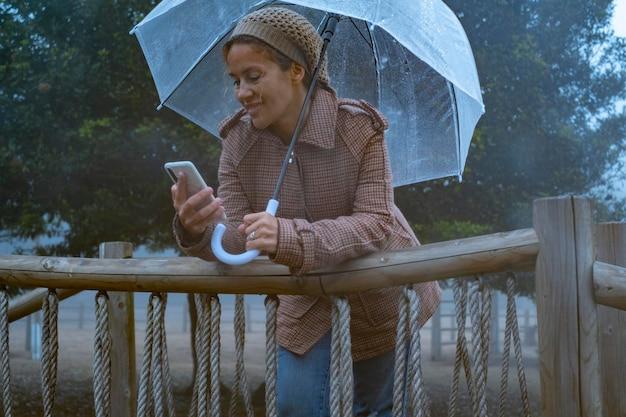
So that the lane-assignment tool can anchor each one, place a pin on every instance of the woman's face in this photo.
(268, 93)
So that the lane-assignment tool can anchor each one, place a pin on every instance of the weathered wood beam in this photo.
(611, 248)
(568, 319)
(516, 250)
(32, 301)
(609, 282)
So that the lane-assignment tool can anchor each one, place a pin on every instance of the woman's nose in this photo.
(243, 92)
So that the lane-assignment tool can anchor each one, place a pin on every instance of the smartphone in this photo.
(195, 182)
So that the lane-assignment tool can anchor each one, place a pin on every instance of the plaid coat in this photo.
(336, 203)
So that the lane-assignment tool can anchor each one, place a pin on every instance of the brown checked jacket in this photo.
(336, 203)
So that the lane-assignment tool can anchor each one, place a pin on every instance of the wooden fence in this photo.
(580, 289)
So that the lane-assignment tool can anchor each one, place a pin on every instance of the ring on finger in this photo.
(252, 235)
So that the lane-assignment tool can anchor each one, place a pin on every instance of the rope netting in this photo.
(102, 358)
(5, 372)
(155, 396)
(475, 357)
(341, 383)
(49, 351)
(409, 396)
(271, 355)
(206, 389)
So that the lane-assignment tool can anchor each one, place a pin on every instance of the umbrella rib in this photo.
(204, 54)
(375, 51)
(360, 33)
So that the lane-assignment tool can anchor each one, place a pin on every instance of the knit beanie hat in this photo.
(288, 32)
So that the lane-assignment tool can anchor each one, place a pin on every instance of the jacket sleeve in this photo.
(236, 207)
(305, 246)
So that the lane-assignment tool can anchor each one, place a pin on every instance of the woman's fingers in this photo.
(261, 229)
(208, 213)
(179, 191)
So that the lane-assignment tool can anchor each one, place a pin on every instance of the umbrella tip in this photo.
(159, 107)
(460, 177)
(132, 31)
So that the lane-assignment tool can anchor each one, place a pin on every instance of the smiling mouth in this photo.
(252, 108)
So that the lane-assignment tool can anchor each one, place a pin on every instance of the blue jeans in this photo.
(303, 383)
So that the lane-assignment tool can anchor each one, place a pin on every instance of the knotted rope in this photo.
(155, 384)
(240, 385)
(5, 370)
(200, 393)
(512, 332)
(271, 356)
(193, 313)
(400, 357)
(169, 392)
(216, 313)
(480, 313)
(206, 390)
(341, 383)
(408, 358)
(144, 402)
(416, 392)
(461, 356)
(102, 357)
(50, 349)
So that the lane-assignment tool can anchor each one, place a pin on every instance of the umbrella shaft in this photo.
(330, 22)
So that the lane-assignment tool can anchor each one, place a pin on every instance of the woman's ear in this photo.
(297, 73)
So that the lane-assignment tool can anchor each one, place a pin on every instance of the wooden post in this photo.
(566, 311)
(122, 325)
(611, 248)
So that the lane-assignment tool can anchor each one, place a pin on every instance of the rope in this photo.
(416, 391)
(271, 357)
(341, 377)
(193, 318)
(102, 357)
(50, 349)
(200, 391)
(144, 402)
(169, 394)
(400, 357)
(156, 355)
(155, 383)
(478, 356)
(461, 355)
(512, 332)
(215, 355)
(5, 377)
(240, 385)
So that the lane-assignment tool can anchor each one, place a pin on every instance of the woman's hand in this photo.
(194, 213)
(261, 230)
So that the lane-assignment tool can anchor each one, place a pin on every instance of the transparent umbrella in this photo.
(410, 59)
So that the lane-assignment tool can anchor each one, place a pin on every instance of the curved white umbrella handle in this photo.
(242, 258)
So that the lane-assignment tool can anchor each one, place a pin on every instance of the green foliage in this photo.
(551, 75)
(443, 230)
(82, 147)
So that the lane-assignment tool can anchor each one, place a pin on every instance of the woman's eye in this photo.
(236, 83)
(254, 77)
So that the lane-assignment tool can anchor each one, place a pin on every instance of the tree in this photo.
(551, 76)
(81, 146)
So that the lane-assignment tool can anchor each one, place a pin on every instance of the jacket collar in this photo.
(319, 126)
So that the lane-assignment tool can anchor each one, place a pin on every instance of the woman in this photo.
(336, 203)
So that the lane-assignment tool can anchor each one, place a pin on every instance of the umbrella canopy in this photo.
(411, 59)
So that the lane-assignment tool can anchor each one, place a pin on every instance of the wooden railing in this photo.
(577, 270)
